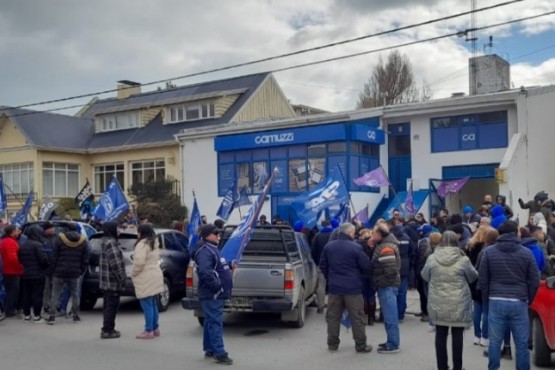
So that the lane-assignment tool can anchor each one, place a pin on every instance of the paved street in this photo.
(254, 342)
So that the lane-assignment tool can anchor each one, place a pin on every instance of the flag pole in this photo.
(348, 192)
(390, 183)
(240, 215)
(15, 196)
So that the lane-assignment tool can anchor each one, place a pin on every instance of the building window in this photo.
(60, 179)
(119, 121)
(191, 112)
(470, 132)
(103, 175)
(18, 178)
(147, 171)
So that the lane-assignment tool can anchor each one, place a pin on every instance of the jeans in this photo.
(402, 297)
(514, 315)
(213, 334)
(480, 319)
(57, 286)
(109, 310)
(32, 289)
(354, 304)
(150, 309)
(66, 294)
(388, 303)
(456, 346)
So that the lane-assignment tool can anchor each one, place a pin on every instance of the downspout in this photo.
(182, 172)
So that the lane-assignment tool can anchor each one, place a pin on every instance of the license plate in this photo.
(240, 301)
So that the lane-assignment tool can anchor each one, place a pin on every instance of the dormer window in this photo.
(191, 112)
(118, 121)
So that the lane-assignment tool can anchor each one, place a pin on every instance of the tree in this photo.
(158, 201)
(392, 82)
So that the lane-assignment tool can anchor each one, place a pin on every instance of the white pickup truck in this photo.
(276, 274)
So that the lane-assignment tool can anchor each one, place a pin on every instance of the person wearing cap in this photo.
(470, 217)
(215, 282)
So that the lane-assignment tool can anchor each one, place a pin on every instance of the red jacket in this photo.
(10, 261)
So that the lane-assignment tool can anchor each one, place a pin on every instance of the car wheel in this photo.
(164, 298)
(301, 310)
(541, 352)
(201, 321)
(87, 302)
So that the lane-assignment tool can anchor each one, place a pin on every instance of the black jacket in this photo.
(71, 255)
(319, 242)
(508, 270)
(406, 250)
(31, 254)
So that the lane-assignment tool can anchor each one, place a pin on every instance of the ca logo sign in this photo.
(371, 134)
(469, 137)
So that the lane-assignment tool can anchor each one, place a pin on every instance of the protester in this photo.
(368, 286)
(12, 268)
(34, 261)
(509, 280)
(448, 273)
(343, 263)
(148, 279)
(421, 254)
(112, 278)
(406, 252)
(386, 263)
(318, 243)
(214, 287)
(49, 242)
(501, 200)
(262, 220)
(69, 261)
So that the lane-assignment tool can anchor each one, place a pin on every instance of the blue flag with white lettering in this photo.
(21, 216)
(3, 200)
(112, 203)
(328, 194)
(233, 249)
(228, 203)
(194, 223)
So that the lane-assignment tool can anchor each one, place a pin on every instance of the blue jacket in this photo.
(508, 270)
(532, 244)
(343, 263)
(215, 279)
(497, 216)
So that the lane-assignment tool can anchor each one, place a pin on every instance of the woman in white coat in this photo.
(147, 278)
(448, 272)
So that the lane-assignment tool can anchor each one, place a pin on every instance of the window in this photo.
(147, 171)
(470, 132)
(103, 175)
(191, 112)
(18, 178)
(60, 179)
(119, 121)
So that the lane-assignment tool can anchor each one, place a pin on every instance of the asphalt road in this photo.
(253, 341)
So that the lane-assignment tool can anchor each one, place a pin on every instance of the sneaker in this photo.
(424, 318)
(110, 335)
(223, 360)
(27, 318)
(208, 355)
(76, 318)
(506, 353)
(432, 329)
(484, 342)
(477, 341)
(386, 350)
(145, 335)
(382, 345)
(365, 349)
(51, 320)
(332, 348)
(156, 332)
(39, 320)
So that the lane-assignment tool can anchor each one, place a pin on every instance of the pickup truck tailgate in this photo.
(256, 279)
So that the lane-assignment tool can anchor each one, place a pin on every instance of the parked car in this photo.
(277, 274)
(61, 226)
(174, 259)
(543, 323)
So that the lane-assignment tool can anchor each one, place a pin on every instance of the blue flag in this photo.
(243, 199)
(328, 194)
(21, 216)
(194, 223)
(344, 213)
(3, 200)
(112, 203)
(228, 203)
(233, 249)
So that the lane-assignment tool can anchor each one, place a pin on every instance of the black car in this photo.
(174, 259)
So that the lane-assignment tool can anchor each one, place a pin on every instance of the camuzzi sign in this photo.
(275, 138)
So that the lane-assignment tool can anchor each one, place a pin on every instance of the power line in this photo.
(459, 33)
(279, 56)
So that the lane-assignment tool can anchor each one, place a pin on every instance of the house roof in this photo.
(50, 130)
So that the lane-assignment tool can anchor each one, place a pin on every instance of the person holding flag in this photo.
(194, 225)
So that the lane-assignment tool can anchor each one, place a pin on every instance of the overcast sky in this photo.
(61, 48)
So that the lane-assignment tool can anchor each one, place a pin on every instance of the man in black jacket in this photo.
(509, 280)
(316, 247)
(406, 252)
(69, 261)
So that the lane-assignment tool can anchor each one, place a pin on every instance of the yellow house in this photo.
(130, 136)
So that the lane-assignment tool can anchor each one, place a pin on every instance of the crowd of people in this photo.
(474, 268)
